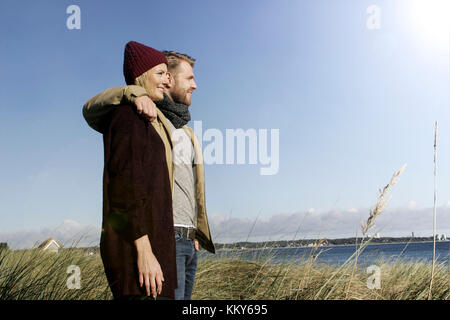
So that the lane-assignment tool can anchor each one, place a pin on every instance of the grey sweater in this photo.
(183, 199)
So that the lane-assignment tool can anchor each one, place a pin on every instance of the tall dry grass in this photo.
(231, 279)
(34, 274)
(434, 211)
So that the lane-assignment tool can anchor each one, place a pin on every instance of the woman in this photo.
(137, 243)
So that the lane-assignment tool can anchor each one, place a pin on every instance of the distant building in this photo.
(441, 237)
(50, 245)
(376, 235)
(3, 246)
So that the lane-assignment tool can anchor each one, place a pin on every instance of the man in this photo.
(186, 161)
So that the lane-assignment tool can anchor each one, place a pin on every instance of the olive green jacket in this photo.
(96, 112)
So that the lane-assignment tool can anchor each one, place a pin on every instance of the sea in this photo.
(337, 255)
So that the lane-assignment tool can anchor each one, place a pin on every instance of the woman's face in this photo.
(157, 79)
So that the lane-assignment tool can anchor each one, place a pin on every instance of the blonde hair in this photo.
(142, 82)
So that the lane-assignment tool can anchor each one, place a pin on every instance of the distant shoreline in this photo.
(311, 243)
(371, 244)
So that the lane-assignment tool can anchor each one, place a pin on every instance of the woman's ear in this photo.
(170, 79)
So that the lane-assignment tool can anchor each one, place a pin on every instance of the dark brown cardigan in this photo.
(137, 201)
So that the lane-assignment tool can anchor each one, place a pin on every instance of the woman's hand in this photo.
(150, 272)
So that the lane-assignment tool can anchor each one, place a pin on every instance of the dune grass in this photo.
(37, 275)
(34, 274)
(234, 278)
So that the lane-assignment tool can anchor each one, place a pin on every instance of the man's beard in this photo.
(181, 96)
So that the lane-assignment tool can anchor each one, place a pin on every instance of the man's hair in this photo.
(174, 58)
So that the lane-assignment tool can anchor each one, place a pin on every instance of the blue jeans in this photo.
(186, 266)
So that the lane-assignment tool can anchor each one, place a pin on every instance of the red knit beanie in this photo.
(138, 59)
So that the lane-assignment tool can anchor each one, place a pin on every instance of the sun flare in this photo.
(431, 21)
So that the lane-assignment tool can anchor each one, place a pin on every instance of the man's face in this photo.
(183, 83)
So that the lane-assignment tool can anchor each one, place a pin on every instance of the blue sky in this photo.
(352, 104)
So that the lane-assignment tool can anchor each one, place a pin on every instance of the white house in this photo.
(51, 245)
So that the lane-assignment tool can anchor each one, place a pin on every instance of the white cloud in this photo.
(330, 224)
(69, 233)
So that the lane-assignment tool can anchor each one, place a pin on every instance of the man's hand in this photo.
(146, 107)
(150, 272)
(196, 245)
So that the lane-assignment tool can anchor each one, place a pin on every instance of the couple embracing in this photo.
(154, 211)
